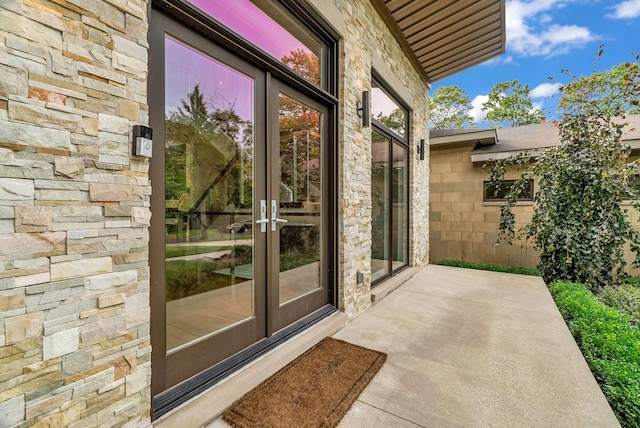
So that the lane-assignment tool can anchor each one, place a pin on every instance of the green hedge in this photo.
(634, 280)
(625, 298)
(495, 268)
(610, 345)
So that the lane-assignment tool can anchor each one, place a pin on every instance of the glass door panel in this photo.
(400, 214)
(209, 176)
(380, 213)
(299, 204)
(390, 211)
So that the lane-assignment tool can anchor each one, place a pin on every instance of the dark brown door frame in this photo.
(161, 22)
(171, 369)
(279, 316)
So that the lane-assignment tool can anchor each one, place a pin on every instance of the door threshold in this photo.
(386, 287)
(211, 403)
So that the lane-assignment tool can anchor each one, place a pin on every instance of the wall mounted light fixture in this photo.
(363, 110)
(421, 149)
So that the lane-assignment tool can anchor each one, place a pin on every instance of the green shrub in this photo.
(491, 267)
(580, 227)
(610, 345)
(633, 280)
(625, 298)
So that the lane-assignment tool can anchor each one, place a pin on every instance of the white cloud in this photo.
(538, 105)
(476, 108)
(626, 10)
(545, 90)
(559, 34)
(531, 31)
(500, 60)
(545, 18)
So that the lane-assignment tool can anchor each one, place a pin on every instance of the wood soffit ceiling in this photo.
(444, 37)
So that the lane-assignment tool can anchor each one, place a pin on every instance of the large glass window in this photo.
(389, 185)
(381, 203)
(300, 196)
(208, 195)
(387, 111)
(268, 26)
(399, 206)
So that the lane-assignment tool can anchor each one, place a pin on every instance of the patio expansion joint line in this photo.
(555, 315)
(392, 414)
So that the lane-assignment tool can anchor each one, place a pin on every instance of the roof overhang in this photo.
(444, 37)
(484, 157)
(473, 137)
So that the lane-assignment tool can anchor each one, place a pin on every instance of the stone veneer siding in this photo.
(366, 36)
(74, 214)
(74, 203)
(463, 227)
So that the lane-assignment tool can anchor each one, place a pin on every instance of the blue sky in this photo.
(546, 36)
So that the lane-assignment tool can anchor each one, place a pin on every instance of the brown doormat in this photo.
(314, 390)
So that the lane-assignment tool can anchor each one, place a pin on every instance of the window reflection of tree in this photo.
(395, 121)
(305, 63)
(379, 191)
(208, 153)
(299, 151)
(300, 136)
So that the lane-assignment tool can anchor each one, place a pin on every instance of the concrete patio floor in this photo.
(473, 348)
(466, 348)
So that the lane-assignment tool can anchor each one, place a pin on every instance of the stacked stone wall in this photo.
(74, 214)
(366, 35)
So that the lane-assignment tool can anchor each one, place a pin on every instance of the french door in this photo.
(297, 241)
(238, 237)
(390, 211)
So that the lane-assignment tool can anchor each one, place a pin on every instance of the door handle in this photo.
(263, 216)
(274, 216)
